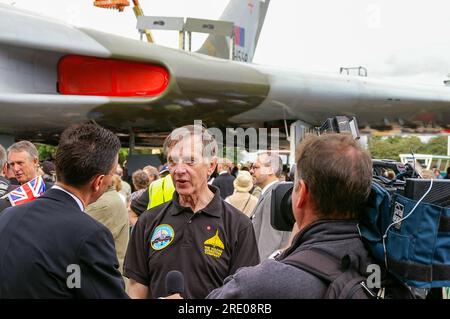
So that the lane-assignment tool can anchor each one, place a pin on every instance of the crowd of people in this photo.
(198, 214)
(433, 173)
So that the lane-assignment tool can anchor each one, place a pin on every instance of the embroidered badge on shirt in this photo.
(214, 246)
(162, 236)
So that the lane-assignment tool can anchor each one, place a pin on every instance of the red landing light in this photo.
(82, 75)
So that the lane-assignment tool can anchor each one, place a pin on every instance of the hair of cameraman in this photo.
(337, 172)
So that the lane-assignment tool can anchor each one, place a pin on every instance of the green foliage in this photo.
(123, 153)
(391, 147)
(49, 151)
(437, 145)
(46, 151)
(232, 153)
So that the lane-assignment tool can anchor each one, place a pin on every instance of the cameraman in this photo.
(332, 183)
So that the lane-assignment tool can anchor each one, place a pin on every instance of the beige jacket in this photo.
(245, 202)
(111, 211)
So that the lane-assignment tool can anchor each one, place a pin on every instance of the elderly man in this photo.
(196, 233)
(23, 159)
(54, 249)
(332, 183)
(266, 172)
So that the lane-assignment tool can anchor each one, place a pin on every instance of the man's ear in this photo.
(212, 165)
(97, 182)
(303, 194)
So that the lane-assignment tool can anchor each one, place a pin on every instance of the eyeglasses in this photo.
(172, 161)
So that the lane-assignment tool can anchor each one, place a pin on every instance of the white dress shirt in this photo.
(79, 202)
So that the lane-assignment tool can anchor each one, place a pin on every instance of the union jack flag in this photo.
(27, 192)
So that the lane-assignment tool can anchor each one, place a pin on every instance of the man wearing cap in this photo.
(196, 233)
(241, 198)
(49, 170)
(164, 171)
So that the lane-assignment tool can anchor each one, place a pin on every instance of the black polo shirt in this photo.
(205, 247)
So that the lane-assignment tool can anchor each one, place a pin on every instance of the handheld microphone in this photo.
(174, 282)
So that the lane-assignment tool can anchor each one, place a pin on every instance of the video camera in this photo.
(406, 218)
(282, 217)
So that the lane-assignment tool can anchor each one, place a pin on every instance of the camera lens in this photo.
(281, 216)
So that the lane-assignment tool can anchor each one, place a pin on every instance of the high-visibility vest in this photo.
(160, 191)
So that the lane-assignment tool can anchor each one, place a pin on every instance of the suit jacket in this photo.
(224, 182)
(49, 248)
(268, 238)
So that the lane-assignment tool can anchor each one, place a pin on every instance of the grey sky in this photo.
(402, 38)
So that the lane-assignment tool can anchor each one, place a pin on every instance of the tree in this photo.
(46, 152)
(436, 146)
(391, 147)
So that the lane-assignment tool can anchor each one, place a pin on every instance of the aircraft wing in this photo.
(221, 93)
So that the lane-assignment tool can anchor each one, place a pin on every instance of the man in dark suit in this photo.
(50, 247)
(224, 181)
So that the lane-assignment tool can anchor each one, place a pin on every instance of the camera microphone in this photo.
(174, 282)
